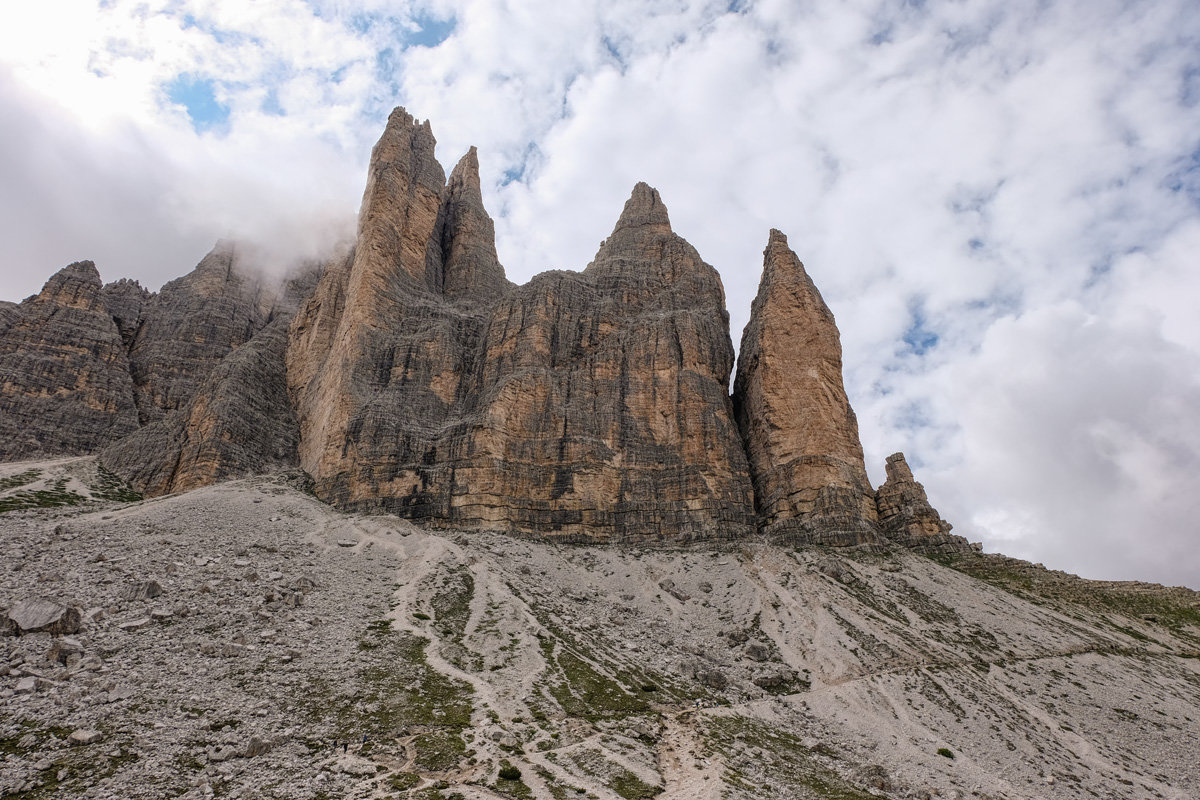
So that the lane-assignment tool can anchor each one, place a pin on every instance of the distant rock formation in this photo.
(64, 374)
(411, 376)
(806, 460)
(906, 516)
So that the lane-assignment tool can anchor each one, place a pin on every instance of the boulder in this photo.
(41, 614)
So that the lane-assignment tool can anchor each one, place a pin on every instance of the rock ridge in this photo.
(409, 375)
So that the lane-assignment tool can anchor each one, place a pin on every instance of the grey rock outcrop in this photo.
(39, 614)
(189, 326)
(806, 460)
(906, 516)
(64, 375)
(124, 300)
(239, 420)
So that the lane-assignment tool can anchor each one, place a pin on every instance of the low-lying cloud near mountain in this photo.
(998, 200)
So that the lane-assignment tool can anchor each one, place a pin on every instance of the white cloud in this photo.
(998, 199)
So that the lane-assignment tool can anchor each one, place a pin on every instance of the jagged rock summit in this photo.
(409, 375)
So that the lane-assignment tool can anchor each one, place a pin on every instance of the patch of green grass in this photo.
(613, 775)
(1171, 607)
(945, 752)
(452, 603)
(582, 691)
(110, 486)
(392, 688)
(403, 781)
(631, 787)
(439, 749)
(803, 773)
(20, 479)
(53, 497)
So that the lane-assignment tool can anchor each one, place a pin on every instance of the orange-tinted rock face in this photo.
(64, 374)
(801, 435)
(586, 405)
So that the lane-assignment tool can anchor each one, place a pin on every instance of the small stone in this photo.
(134, 625)
(144, 590)
(120, 693)
(27, 685)
(161, 614)
(84, 736)
(65, 651)
(347, 542)
(256, 747)
(757, 651)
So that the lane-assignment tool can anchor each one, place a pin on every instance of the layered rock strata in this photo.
(64, 374)
(801, 436)
(239, 421)
(905, 515)
(185, 329)
(584, 405)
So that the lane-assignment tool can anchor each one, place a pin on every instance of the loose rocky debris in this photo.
(231, 647)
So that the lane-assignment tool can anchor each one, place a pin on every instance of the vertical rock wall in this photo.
(586, 405)
(415, 378)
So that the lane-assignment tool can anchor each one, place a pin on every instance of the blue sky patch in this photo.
(431, 31)
(198, 96)
(919, 337)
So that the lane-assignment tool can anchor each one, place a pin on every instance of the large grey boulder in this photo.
(39, 614)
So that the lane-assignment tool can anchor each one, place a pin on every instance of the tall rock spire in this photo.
(399, 208)
(801, 436)
(467, 238)
(343, 342)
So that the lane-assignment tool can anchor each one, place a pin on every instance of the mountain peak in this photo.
(644, 208)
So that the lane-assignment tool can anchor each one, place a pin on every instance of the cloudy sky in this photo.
(1000, 199)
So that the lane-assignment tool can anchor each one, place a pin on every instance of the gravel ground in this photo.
(245, 640)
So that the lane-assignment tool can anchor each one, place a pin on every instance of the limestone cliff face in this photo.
(806, 460)
(602, 404)
(906, 516)
(588, 405)
(189, 326)
(64, 375)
